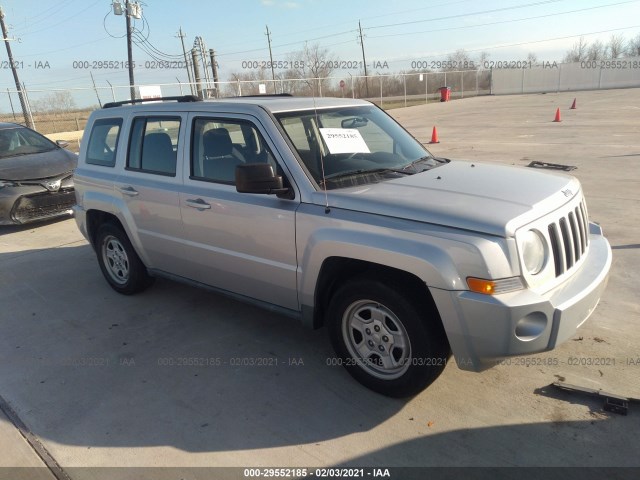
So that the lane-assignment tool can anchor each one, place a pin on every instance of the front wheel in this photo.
(391, 344)
(119, 262)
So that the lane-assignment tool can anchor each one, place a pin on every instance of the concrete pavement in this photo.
(108, 380)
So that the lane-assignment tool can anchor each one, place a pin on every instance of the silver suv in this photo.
(327, 210)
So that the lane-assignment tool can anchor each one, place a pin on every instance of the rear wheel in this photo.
(391, 344)
(119, 262)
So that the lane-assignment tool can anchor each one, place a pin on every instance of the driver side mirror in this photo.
(258, 178)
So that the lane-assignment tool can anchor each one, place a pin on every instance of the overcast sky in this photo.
(51, 37)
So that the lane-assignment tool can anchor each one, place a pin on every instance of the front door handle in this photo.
(199, 204)
(129, 191)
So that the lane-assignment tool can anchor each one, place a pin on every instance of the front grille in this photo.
(43, 205)
(569, 236)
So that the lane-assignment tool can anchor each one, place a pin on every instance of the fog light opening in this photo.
(531, 326)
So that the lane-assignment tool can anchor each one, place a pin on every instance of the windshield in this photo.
(22, 141)
(349, 146)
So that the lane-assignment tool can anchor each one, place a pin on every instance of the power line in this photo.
(460, 15)
(502, 21)
(66, 19)
(494, 47)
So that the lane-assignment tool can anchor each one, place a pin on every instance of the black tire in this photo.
(415, 346)
(119, 262)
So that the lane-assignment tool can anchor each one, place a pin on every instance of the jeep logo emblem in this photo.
(567, 192)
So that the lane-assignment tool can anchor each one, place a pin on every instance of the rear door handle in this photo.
(129, 191)
(199, 204)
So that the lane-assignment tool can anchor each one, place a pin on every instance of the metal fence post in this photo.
(404, 81)
(600, 79)
(491, 81)
(462, 84)
(13, 112)
(426, 88)
(380, 80)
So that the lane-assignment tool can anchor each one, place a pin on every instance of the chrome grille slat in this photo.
(569, 238)
(583, 233)
(567, 242)
(575, 233)
(585, 218)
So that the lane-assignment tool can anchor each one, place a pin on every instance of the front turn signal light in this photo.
(494, 287)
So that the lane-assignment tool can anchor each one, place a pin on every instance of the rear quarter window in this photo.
(103, 142)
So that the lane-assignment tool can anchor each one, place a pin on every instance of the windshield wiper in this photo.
(361, 171)
(419, 160)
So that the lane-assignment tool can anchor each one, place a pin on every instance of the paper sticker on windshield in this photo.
(344, 140)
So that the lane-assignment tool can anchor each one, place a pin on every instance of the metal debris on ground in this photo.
(551, 166)
(612, 403)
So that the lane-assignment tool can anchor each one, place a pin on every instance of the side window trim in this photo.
(146, 117)
(113, 121)
(237, 120)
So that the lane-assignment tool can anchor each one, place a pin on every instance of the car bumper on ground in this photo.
(483, 330)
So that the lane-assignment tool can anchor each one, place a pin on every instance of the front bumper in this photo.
(33, 203)
(484, 329)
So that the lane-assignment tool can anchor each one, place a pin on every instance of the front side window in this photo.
(153, 145)
(348, 146)
(103, 142)
(218, 146)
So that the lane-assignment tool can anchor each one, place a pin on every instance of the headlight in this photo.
(533, 251)
(6, 183)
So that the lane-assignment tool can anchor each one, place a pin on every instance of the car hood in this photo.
(492, 199)
(37, 165)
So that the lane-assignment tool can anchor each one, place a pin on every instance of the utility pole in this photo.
(196, 72)
(214, 69)
(273, 74)
(129, 50)
(27, 118)
(95, 89)
(186, 62)
(364, 60)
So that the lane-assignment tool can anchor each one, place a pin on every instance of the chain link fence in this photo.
(67, 110)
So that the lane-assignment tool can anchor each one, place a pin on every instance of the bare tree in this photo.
(246, 83)
(532, 57)
(312, 65)
(56, 102)
(596, 51)
(460, 60)
(633, 47)
(482, 58)
(615, 47)
(578, 52)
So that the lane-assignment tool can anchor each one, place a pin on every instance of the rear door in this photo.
(242, 243)
(149, 188)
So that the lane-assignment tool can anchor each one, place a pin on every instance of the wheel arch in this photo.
(335, 271)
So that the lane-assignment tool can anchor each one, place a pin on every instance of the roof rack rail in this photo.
(180, 98)
(265, 95)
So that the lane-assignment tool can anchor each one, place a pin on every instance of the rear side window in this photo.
(153, 145)
(103, 142)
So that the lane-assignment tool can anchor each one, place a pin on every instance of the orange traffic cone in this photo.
(557, 119)
(434, 136)
(573, 105)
